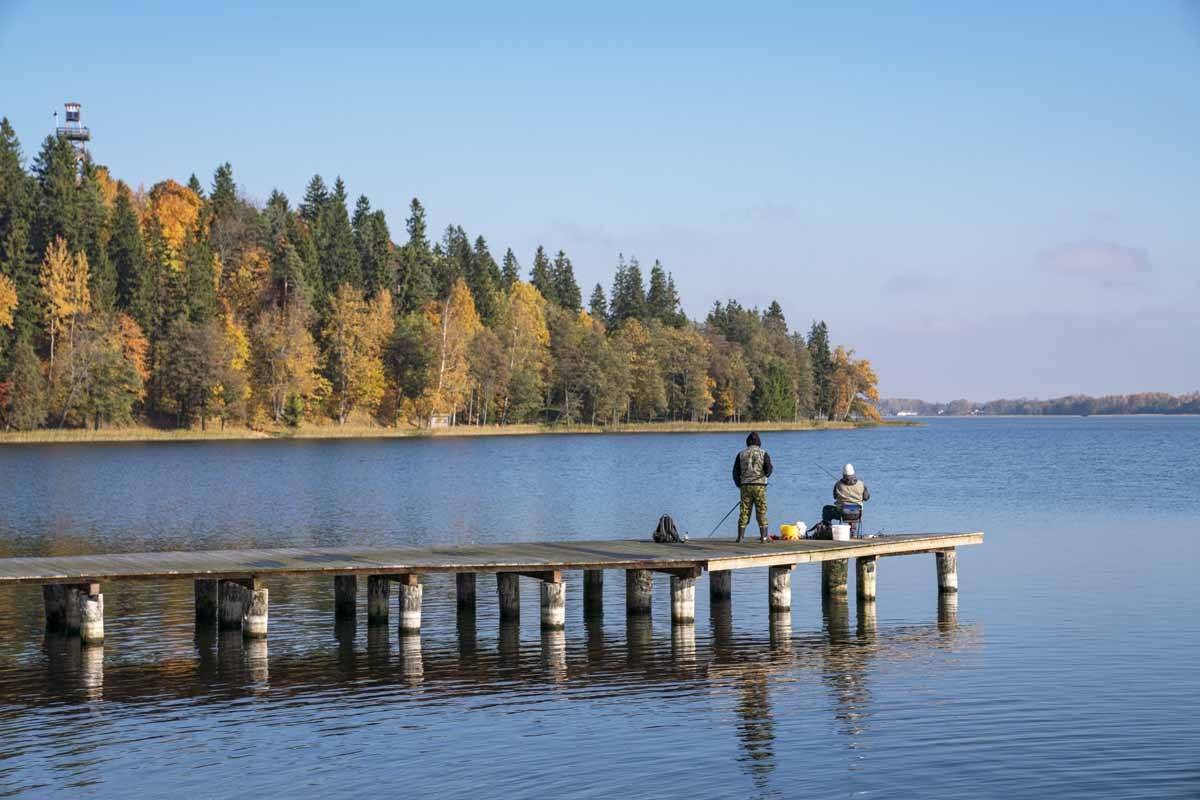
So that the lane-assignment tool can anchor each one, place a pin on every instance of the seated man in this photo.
(849, 494)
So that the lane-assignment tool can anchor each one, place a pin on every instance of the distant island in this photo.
(1070, 405)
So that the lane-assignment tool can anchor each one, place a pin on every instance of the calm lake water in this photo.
(1069, 666)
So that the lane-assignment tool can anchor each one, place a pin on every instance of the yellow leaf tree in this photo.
(64, 280)
(8, 301)
(356, 334)
(284, 358)
(525, 337)
(176, 211)
(853, 387)
(456, 323)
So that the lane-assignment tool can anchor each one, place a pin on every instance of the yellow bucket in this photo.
(788, 532)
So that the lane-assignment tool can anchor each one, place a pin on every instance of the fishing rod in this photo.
(722, 522)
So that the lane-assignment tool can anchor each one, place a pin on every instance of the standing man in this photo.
(849, 494)
(751, 469)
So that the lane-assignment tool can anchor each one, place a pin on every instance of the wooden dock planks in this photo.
(521, 557)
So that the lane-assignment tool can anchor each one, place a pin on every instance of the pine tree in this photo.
(598, 306)
(510, 272)
(194, 184)
(414, 264)
(566, 290)
(542, 276)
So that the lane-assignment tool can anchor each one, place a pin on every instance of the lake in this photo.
(1067, 666)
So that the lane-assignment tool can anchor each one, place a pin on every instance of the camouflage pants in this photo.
(756, 497)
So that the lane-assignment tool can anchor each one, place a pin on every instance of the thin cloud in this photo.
(1106, 263)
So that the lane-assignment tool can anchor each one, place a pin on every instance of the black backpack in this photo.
(667, 531)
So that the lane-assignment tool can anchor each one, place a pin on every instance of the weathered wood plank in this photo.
(517, 557)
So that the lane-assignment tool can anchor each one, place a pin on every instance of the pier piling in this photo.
(593, 592)
(720, 585)
(208, 600)
(379, 591)
(866, 567)
(834, 577)
(780, 588)
(254, 617)
(683, 599)
(345, 595)
(639, 591)
(410, 603)
(464, 585)
(947, 570)
(508, 587)
(554, 603)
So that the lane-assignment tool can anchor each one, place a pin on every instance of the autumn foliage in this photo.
(186, 305)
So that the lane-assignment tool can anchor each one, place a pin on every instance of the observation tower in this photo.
(74, 130)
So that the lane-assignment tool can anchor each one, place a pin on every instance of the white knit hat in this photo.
(848, 471)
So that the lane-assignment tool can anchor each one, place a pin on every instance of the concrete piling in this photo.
(866, 568)
(554, 605)
(780, 588)
(410, 604)
(683, 600)
(947, 571)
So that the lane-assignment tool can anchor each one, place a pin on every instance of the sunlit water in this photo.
(1068, 667)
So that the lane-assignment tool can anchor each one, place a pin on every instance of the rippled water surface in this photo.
(1067, 667)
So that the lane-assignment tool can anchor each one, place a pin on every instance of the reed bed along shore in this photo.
(359, 430)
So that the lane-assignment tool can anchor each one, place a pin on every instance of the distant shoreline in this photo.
(147, 434)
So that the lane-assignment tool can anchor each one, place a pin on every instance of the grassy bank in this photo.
(141, 433)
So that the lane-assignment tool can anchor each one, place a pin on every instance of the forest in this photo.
(1074, 405)
(185, 305)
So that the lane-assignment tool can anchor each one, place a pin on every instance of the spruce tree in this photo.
(662, 300)
(194, 184)
(224, 191)
(335, 243)
(17, 259)
(373, 240)
(541, 275)
(598, 306)
(566, 290)
(94, 228)
(57, 208)
(628, 300)
(510, 271)
(414, 263)
(126, 250)
(822, 367)
(484, 280)
(316, 196)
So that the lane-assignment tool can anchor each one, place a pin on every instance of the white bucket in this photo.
(841, 533)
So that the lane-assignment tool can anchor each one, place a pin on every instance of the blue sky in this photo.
(985, 199)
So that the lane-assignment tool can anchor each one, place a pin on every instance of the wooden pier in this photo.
(231, 591)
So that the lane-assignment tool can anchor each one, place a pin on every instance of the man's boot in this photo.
(741, 532)
(763, 536)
